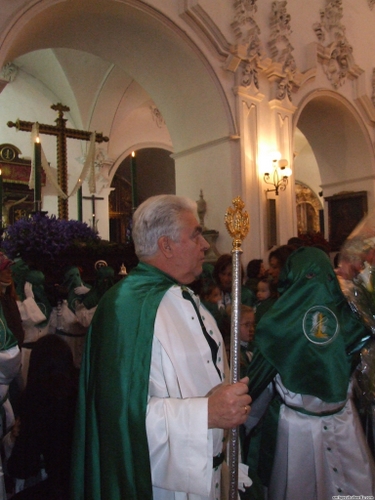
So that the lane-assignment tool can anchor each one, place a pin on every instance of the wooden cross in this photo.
(93, 198)
(62, 134)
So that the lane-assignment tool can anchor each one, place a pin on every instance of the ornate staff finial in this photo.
(237, 222)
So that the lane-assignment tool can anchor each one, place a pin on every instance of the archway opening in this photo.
(333, 155)
(154, 173)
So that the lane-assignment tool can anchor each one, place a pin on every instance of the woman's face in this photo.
(225, 278)
(6, 276)
(274, 269)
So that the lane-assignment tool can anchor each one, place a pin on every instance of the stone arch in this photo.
(162, 56)
(144, 43)
(339, 139)
(340, 144)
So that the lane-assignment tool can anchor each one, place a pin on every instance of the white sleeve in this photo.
(10, 362)
(84, 315)
(180, 444)
(30, 312)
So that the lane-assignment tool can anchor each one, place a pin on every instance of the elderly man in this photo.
(152, 404)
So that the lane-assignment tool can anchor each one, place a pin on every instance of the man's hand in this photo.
(229, 405)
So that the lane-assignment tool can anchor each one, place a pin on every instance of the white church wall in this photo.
(181, 67)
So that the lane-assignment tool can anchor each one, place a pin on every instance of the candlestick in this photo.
(79, 203)
(37, 176)
(1, 200)
(133, 178)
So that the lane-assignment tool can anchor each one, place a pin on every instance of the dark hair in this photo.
(336, 260)
(221, 264)
(281, 254)
(207, 288)
(47, 411)
(296, 242)
(51, 369)
(253, 268)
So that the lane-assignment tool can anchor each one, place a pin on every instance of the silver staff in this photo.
(237, 224)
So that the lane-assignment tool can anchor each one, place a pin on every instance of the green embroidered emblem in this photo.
(320, 325)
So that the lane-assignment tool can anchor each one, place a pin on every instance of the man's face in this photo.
(188, 253)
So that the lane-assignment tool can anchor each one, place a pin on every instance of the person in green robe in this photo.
(307, 346)
(152, 404)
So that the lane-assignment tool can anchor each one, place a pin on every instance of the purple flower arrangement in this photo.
(41, 237)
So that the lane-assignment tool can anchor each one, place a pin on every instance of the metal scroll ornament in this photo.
(237, 223)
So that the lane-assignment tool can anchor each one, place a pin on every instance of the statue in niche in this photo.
(201, 209)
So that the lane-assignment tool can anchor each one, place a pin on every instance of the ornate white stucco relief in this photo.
(334, 50)
(248, 48)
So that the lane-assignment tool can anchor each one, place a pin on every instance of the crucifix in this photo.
(93, 198)
(62, 133)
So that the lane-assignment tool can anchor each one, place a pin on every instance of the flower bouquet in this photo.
(357, 270)
(357, 278)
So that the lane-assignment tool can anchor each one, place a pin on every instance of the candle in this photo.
(79, 202)
(37, 176)
(1, 200)
(133, 178)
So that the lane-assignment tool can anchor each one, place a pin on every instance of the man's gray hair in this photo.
(156, 217)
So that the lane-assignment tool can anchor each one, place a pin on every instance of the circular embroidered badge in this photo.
(3, 334)
(320, 325)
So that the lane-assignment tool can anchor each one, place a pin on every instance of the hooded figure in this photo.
(35, 310)
(306, 346)
(74, 286)
(105, 279)
(64, 321)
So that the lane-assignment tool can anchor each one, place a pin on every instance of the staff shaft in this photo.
(234, 368)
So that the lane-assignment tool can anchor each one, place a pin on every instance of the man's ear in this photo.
(164, 244)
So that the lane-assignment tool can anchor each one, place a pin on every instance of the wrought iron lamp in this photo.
(279, 176)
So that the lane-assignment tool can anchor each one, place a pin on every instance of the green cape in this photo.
(308, 333)
(110, 451)
(7, 338)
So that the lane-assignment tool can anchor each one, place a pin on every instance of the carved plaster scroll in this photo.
(281, 48)
(9, 72)
(248, 58)
(283, 71)
(247, 53)
(334, 51)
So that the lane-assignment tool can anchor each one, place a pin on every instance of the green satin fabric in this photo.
(285, 336)
(7, 338)
(105, 279)
(110, 456)
(37, 279)
(72, 279)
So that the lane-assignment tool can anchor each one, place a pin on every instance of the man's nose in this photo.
(205, 243)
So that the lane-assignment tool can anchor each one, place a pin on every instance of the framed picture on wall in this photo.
(345, 211)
